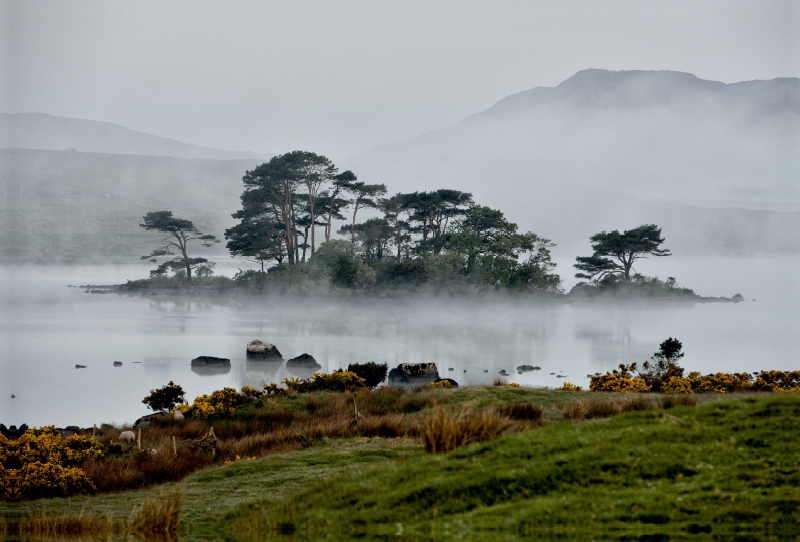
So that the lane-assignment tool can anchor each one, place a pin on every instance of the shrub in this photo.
(569, 387)
(619, 380)
(440, 384)
(372, 373)
(223, 402)
(335, 381)
(273, 390)
(165, 398)
(445, 430)
(778, 381)
(42, 463)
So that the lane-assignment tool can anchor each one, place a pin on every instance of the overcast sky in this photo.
(339, 77)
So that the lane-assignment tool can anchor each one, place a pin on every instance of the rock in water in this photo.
(260, 349)
(413, 374)
(527, 368)
(305, 361)
(117, 364)
(210, 366)
(210, 361)
(80, 366)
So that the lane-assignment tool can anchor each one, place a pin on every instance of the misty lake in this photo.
(46, 328)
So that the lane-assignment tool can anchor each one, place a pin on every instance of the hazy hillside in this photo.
(603, 149)
(74, 206)
(40, 131)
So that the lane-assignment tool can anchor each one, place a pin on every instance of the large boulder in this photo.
(210, 361)
(527, 368)
(260, 349)
(211, 366)
(305, 361)
(413, 374)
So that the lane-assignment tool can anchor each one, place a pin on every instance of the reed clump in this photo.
(584, 409)
(445, 430)
(523, 411)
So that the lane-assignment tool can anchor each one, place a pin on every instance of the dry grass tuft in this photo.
(670, 401)
(584, 409)
(158, 517)
(524, 411)
(445, 430)
(500, 381)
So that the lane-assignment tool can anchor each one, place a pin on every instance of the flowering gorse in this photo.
(43, 463)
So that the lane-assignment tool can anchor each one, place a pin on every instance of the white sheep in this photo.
(127, 436)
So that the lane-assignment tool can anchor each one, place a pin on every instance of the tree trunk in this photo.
(353, 231)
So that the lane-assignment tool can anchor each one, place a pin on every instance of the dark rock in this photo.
(210, 361)
(144, 421)
(737, 298)
(13, 432)
(260, 349)
(453, 383)
(486, 370)
(211, 366)
(503, 372)
(304, 360)
(117, 364)
(451, 369)
(80, 366)
(413, 374)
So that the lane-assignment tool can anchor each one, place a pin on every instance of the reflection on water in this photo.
(47, 328)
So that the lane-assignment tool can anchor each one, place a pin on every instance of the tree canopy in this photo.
(615, 252)
(179, 232)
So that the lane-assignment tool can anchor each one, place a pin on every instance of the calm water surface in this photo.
(47, 328)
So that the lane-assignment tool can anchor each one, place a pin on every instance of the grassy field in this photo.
(724, 470)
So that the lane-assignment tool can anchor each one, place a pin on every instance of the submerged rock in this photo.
(260, 349)
(528, 368)
(117, 364)
(503, 372)
(80, 366)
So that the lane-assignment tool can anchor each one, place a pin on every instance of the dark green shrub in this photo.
(165, 398)
(372, 373)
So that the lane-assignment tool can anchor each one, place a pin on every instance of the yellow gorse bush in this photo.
(569, 387)
(43, 463)
(619, 380)
(335, 381)
(772, 381)
(440, 384)
(223, 402)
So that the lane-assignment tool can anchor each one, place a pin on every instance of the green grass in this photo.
(732, 468)
(732, 464)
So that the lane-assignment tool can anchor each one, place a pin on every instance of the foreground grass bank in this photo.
(686, 472)
(717, 468)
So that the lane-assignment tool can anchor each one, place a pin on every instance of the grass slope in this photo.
(694, 472)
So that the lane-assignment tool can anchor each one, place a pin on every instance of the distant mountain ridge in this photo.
(609, 149)
(594, 89)
(48, 132)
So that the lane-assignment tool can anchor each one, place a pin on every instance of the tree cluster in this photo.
(414, 234)
(407, 238)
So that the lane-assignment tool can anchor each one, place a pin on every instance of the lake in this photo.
(46, 328)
